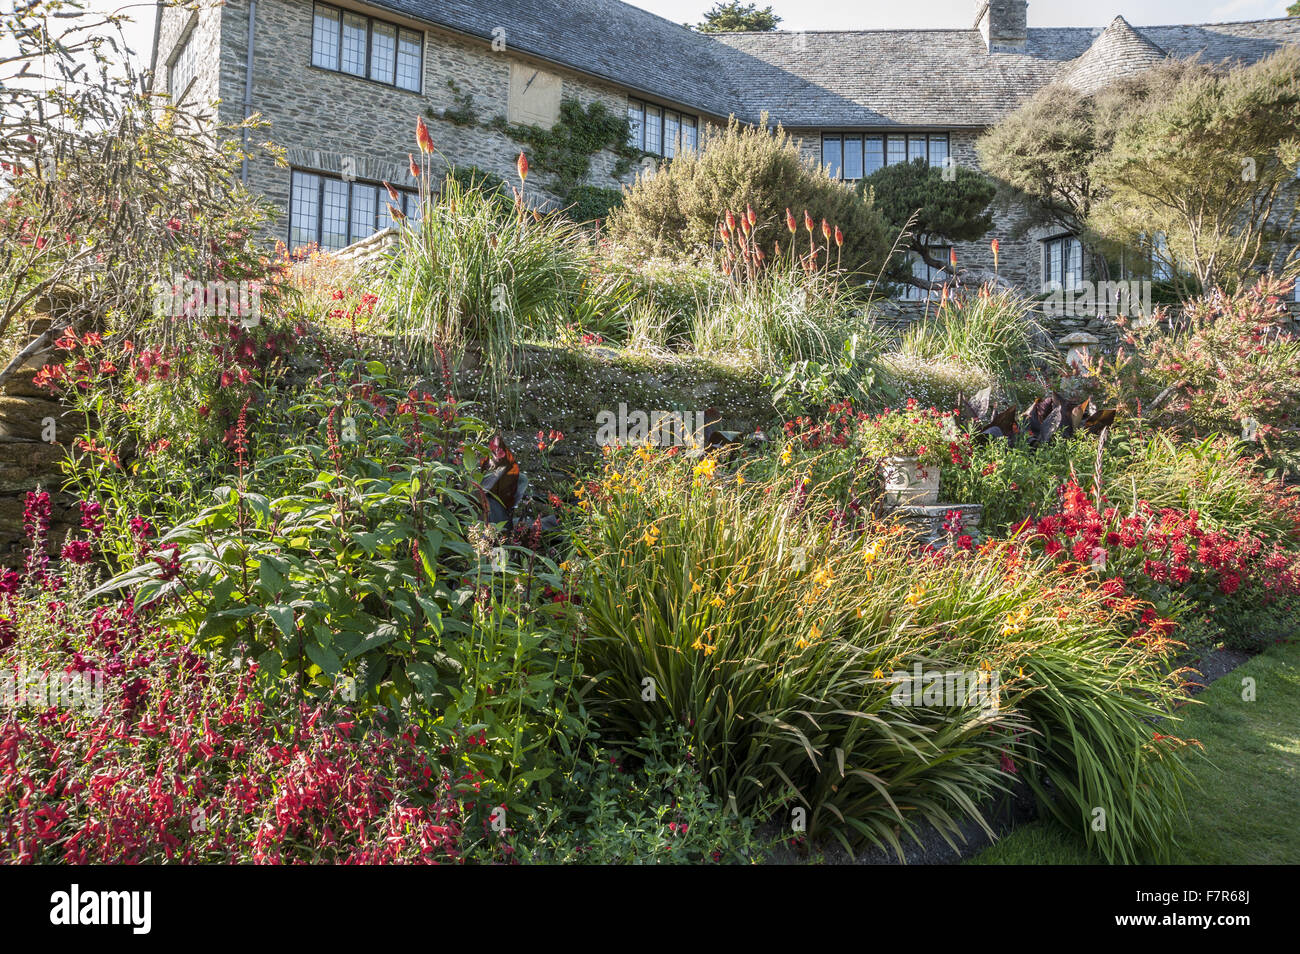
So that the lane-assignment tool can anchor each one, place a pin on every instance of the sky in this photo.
(886, 14)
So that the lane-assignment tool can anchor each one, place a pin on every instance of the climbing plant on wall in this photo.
(566, 149)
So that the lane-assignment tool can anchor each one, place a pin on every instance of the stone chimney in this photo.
(1004, 24)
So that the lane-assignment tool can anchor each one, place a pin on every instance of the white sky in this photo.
(883, 14)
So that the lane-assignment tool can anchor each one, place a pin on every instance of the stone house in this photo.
(342, 82)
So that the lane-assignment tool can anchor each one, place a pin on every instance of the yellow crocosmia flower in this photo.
(801, 643)
(878, 674)
(914, 595)
(986, 666)
(815, 632)
(716, 602)
(731, 590)
(695, 587)
(871, 575)
(786, 455)
(861, 612)
(644, 452)
(708, 649)
(698, 644)
(869, 554)
(740, 480)
(705, 468)
(651, 536)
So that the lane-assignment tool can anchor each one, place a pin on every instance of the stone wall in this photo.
(30, 459)
(326, 119)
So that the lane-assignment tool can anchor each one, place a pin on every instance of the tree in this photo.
(109, 195)
(1211, 168)
(1043, 154)
(736, 17)
(1294, 9)
(915, 198)
(677, 209)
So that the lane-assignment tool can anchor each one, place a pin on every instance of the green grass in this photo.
(1247, 798)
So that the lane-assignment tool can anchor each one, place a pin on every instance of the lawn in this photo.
(1247, 790)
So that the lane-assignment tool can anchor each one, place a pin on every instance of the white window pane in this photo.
(334, 215)
(304, 209)
(916, 148)
(689, 134)
(938, 150)
(831, 156)
(852, 157)
(363, 211)
(1074, 278)
(635, 125)
(383, 217)
(410, 59)
(1054, 265)
(672, 133)
(897, 151)
(325, 38)
(383, 52)
(411, 202)
(653, 130)
(354, 44)
(875, 154)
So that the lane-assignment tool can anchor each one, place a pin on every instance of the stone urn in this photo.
(908, 483)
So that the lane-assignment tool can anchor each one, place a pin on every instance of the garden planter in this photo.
(908, 483)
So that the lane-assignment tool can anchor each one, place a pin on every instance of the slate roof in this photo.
(948, 77)
(833, 78)
(1120, 51)
(608, 39)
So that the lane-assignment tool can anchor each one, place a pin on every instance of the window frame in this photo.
(911, 292)
(1064, 245)
(410, 206)
(340, 16)
(637, 137)
(185, 55)
(891, 148)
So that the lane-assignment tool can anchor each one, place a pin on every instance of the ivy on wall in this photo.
(566, 149)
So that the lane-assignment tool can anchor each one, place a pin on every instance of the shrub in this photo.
(771, 618)
(646, 805)
(478, 272)
(783, 314)
(109, 194)
(145, 751)
(936, 383)
(992, 331)
(678, 208)
(1226, 364)
(1167, 558)
(592, 203)
(932, 436)
(1213, 477)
